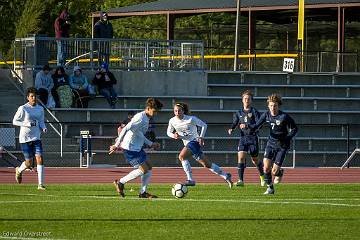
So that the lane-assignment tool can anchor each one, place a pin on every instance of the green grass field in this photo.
(307, 211)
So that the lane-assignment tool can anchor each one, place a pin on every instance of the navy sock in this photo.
(268, 178)
(260, 167)
(241, 169)
(280, 173)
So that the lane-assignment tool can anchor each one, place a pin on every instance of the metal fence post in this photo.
(294, 153)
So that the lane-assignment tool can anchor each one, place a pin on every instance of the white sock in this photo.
(217, 170)
(145, 179)
(40, 170)
(131, 175)
(22, 167)
(187, 169)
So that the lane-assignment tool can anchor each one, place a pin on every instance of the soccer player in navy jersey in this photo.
(282, 130)
(248, 142)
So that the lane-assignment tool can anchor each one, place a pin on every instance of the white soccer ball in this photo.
(179, 190)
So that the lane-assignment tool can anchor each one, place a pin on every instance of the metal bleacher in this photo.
(323, 105)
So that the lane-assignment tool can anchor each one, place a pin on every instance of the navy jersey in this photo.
(282, 127)
(248, 118)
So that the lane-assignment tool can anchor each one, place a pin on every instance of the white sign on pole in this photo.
(288, 65)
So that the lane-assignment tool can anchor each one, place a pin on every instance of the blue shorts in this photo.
(249, 144)
(31, 149)
(276, 154)
(195, 149)
(135, 159)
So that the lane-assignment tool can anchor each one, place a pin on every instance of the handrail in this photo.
(16, 75)
(130, 54)
(21, 81)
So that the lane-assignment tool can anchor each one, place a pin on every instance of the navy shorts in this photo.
(135, 159)
(249, 144)
(195, 149)
(275, 153)
(31, 149)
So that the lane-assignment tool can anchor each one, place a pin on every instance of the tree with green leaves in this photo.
(10, 10)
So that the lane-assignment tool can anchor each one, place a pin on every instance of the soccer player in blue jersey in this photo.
(248, 142)
(30, 118)
(132, 139)
(185, 127)
(282, 130)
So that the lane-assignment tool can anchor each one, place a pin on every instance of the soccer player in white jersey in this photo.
(131, 139)
(30, 118)
(183, 126)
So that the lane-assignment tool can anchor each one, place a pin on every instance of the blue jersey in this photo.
(282, 128)
(248, 118)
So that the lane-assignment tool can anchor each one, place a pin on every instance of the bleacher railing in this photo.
(18, 82)
(328, 146)
(125, 54)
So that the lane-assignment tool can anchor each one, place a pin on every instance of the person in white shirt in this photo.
(30, 118)
(183, 126)
(131, 139)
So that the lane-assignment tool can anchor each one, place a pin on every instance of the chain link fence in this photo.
(217, 59)
(314, 146)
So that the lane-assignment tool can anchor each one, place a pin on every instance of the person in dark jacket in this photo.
(60, 78)
(62, 28)
(103, 29)
(104, 80)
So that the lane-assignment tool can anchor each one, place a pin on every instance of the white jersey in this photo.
(132, 136)
(186, 128)
(24, 116)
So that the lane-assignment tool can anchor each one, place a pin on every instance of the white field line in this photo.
(264, 200)
(116, 197)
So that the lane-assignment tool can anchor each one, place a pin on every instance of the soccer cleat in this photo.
(269, 190)
(147, 195)
(18, 175)
(41, 187)
(262, 180)
(119, 188)
(278, 178)
(228, 180)
(240, 183)
(189, 183)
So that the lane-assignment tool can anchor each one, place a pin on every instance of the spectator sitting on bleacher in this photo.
(60, 79)
(79, 85)
(105, 81)
(44, 84)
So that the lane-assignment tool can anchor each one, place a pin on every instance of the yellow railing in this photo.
(222, 56)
